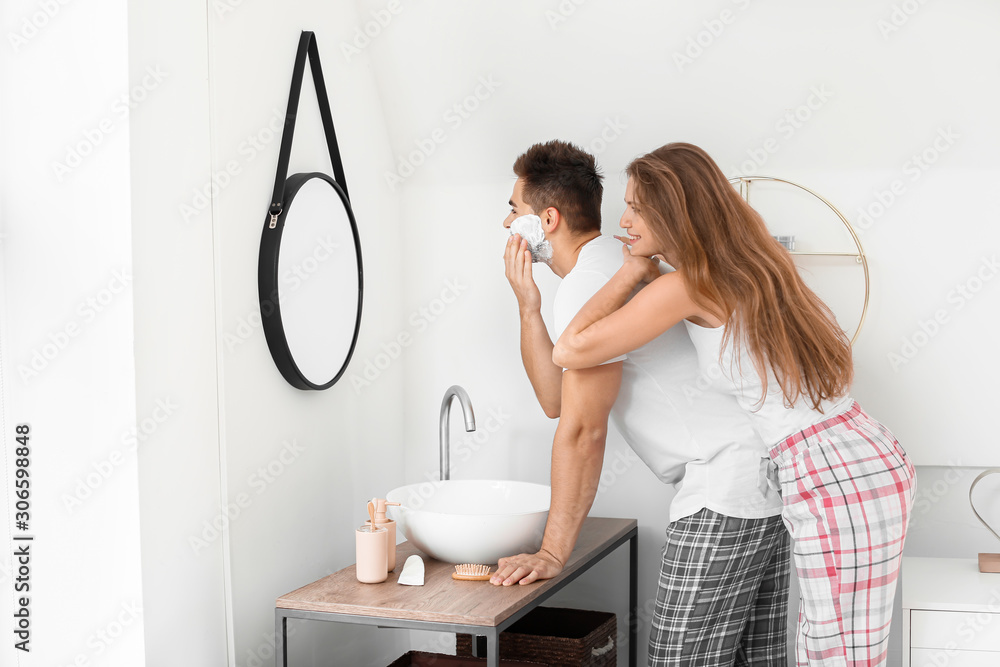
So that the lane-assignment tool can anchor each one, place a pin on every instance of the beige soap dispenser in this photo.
(382, 522)
(370, 551)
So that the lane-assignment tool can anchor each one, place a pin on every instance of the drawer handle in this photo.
(604, 649)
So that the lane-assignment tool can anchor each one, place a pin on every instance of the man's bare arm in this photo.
(577, 457)
(536, 355)
(536, 345)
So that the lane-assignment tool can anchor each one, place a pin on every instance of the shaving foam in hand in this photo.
(530, 228)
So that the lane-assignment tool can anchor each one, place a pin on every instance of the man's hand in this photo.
(526, 568)
(517, 262)
(536, 346)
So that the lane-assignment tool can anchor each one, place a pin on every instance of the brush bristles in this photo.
(471, 572)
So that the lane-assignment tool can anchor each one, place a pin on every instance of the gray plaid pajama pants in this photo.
(723, 593)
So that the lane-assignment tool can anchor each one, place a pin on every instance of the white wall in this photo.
(66, 365)
(282, 474)
(176, 348)
(300, 526)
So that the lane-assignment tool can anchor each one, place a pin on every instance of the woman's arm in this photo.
(607, 326)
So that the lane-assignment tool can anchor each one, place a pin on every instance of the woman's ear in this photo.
(551, 219)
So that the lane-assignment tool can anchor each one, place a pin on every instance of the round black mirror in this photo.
(310, 282)
(309, 276)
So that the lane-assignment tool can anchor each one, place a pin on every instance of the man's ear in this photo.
(551, 219)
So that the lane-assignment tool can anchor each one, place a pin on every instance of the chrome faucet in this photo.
(444, 436)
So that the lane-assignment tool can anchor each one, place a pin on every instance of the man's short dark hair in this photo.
(560, 175)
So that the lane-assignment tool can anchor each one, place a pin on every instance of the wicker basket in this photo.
(421, 659)
(557, 637)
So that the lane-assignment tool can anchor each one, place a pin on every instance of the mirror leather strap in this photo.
(307, 46)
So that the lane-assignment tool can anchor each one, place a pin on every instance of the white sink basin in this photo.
(472, 521)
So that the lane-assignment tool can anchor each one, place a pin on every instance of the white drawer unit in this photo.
(951, 613)
(927, 657)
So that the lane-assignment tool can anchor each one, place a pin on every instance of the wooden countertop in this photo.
(441, 598)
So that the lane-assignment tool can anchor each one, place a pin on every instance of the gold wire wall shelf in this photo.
(744, 182)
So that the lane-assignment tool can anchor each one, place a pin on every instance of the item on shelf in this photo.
(470, 572)
(557, 637)
(987, 562)
(413, 572)
(743, 184)
(370, 551)
(421, 659)
(787, 240)
(390, 525)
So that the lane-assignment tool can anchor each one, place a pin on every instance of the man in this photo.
(723, 586)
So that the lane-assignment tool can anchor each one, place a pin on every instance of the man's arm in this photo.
(577, 458)
(536, 345)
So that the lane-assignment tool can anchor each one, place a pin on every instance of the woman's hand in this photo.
(641, 269)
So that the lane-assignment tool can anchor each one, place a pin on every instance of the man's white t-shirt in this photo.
(688, 435)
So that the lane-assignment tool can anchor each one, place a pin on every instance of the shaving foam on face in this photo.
(530, 228)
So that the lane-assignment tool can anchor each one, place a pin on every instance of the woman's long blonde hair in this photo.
(729, 258)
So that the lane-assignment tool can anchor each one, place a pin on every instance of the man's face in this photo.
(517, 205)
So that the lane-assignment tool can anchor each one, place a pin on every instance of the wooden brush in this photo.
(469, 572)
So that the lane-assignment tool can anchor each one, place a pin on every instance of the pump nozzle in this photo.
(380, 505)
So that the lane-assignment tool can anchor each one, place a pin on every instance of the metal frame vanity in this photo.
(443, 604)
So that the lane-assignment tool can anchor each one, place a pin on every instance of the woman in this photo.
(846, 484)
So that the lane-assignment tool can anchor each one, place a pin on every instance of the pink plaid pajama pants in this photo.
(847, 489)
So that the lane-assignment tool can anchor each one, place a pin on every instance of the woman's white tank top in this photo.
(772, 419)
